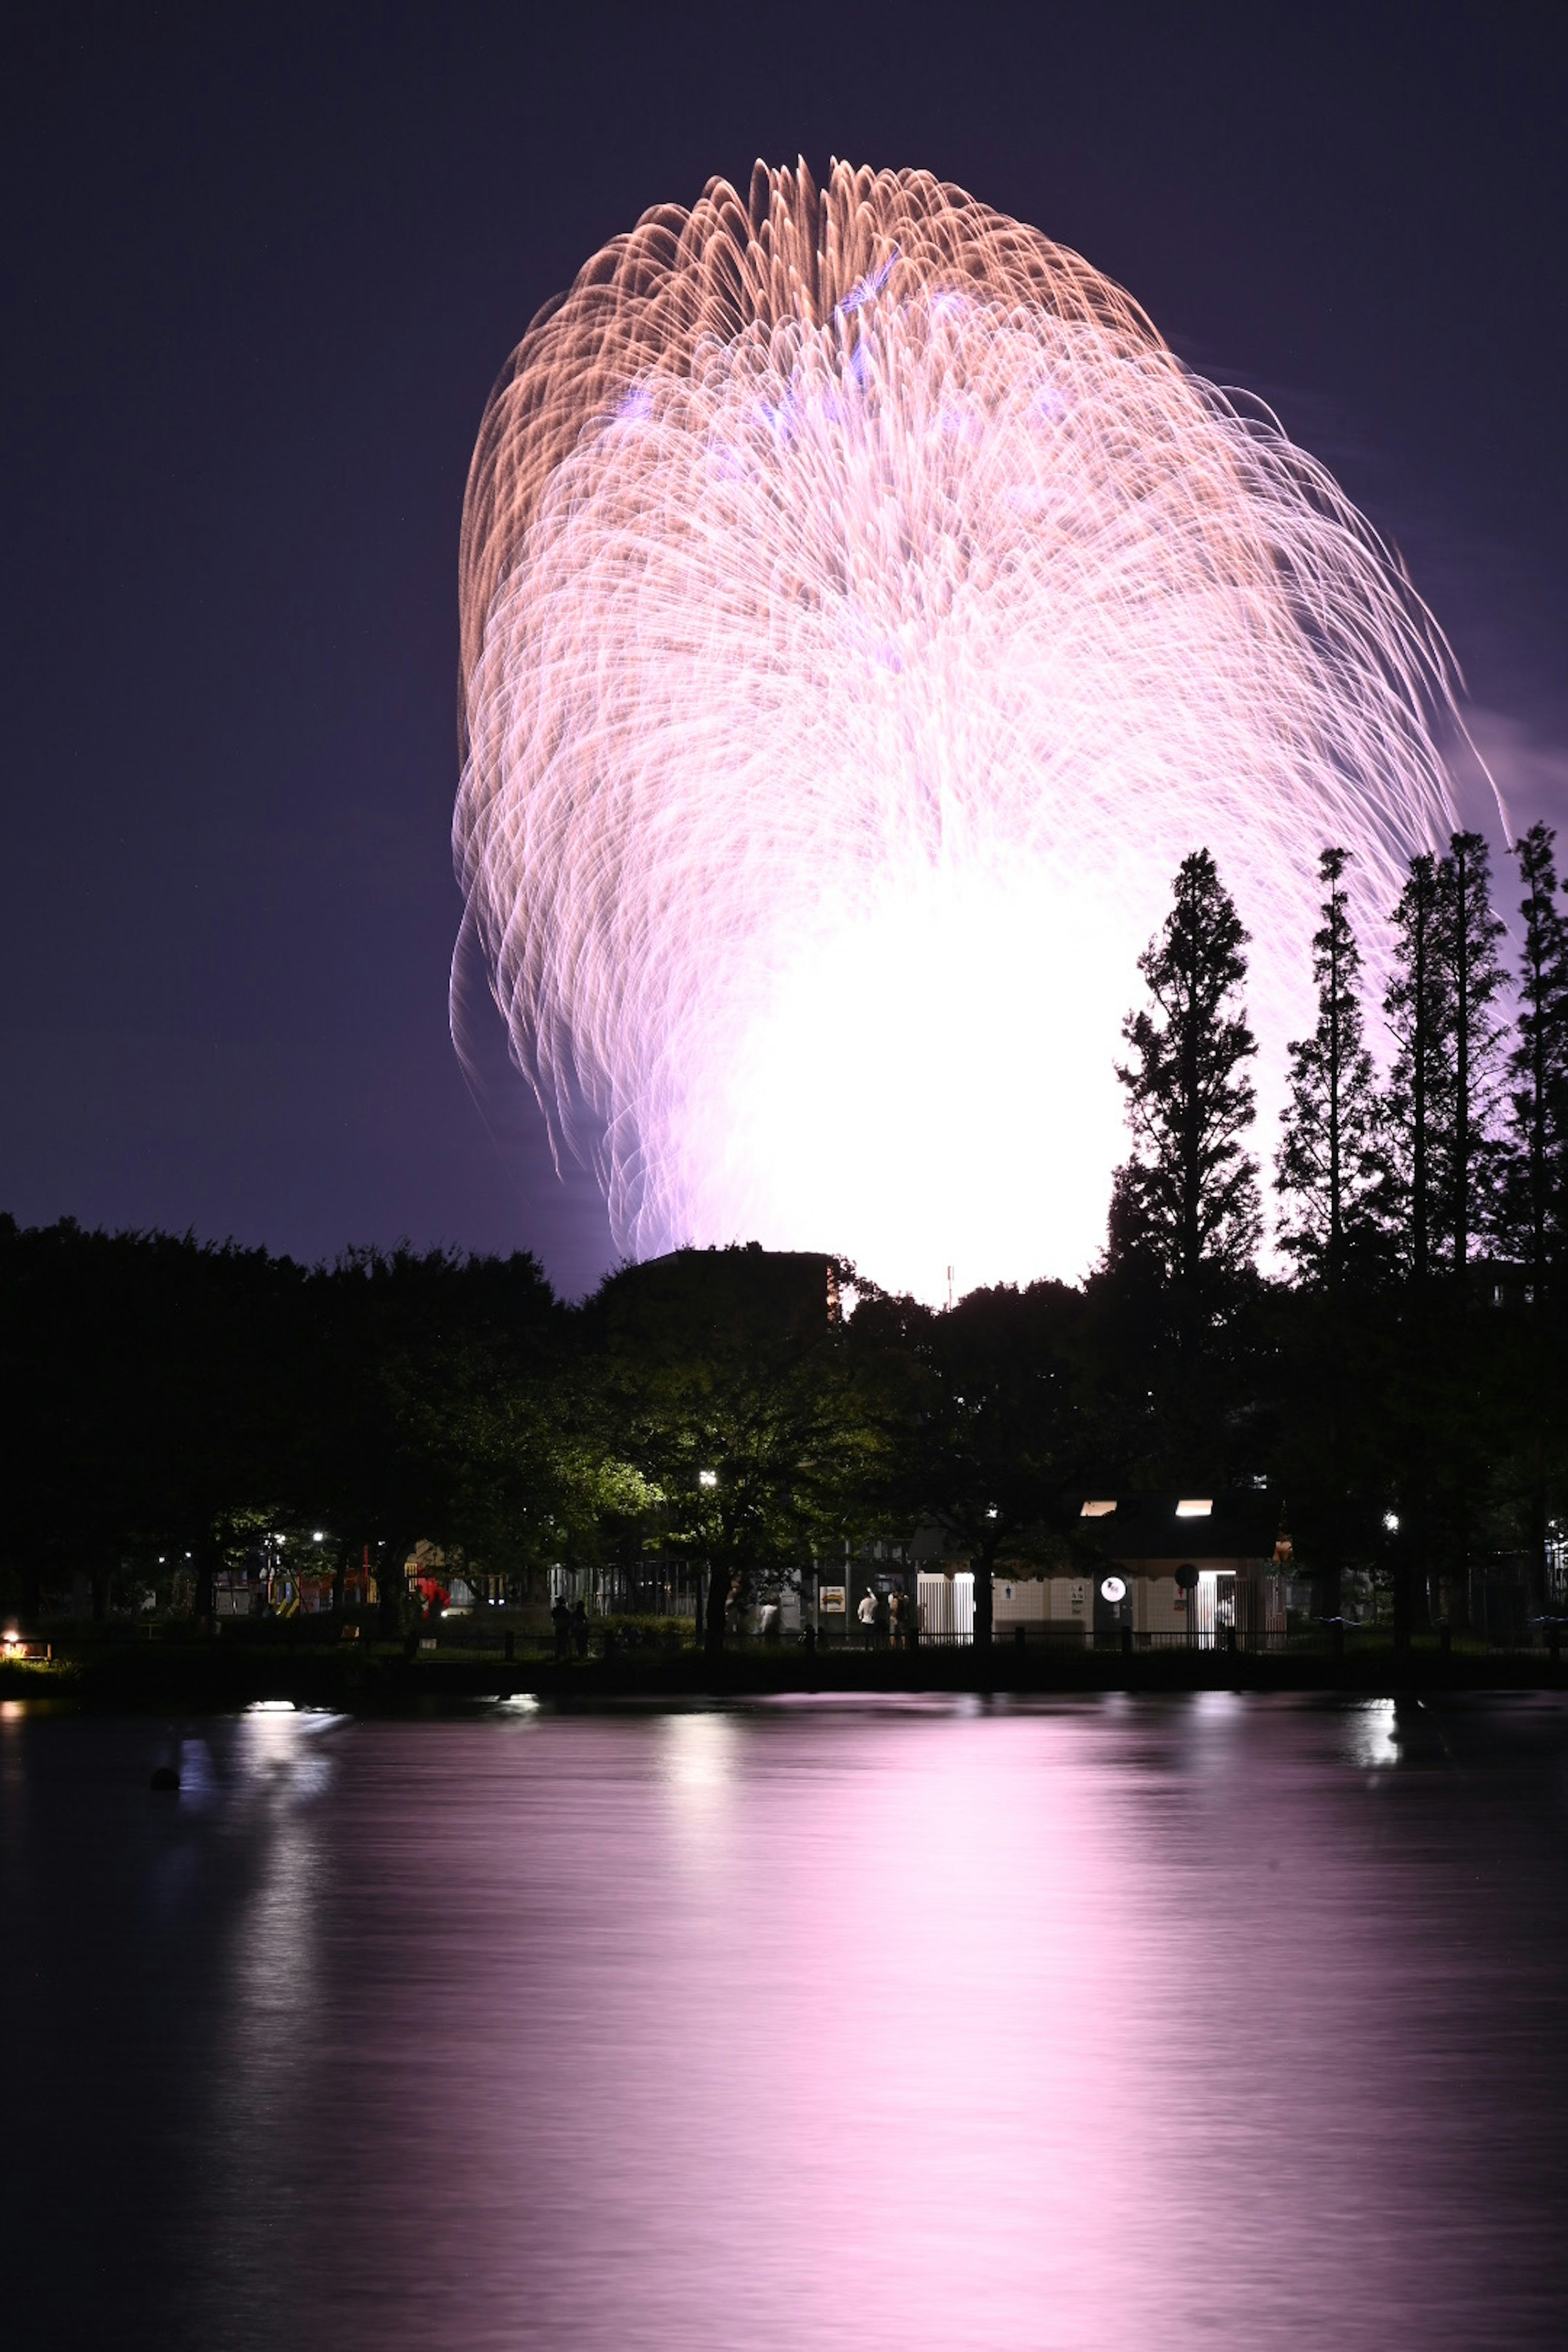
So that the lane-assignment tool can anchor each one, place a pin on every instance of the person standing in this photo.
(580, 1628)
(561, 1618)
(866, 1613)
(882, 1618)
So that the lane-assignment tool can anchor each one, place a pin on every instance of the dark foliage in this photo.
(170, 1406)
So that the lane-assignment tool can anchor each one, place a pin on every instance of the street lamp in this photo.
(708, 1478)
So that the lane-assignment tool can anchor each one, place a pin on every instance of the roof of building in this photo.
(733, 1295)
(1235, 1523)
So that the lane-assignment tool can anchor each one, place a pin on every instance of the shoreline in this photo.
(215, 1678)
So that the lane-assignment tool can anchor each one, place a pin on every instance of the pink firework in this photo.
(863, 613)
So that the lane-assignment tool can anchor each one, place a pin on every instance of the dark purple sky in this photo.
(261, 268)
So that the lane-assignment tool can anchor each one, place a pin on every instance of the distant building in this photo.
(728, 1296)
(1195, 1565)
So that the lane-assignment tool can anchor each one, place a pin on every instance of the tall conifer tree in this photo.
(1419, 1016)
(1442, 1009)
(1535, 1190)
(1537, 1185)
(1467, 936)
(1332, 1171)
(1184, 1208)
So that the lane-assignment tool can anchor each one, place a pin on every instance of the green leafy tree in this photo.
(146, 1385)
(729, 1386)
(1003, 1431)
(430, 1407)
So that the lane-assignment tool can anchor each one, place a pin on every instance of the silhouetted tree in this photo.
(1537, 1180)
(431, 1392)
(1332, 1171)
(1441, 1005)
(1185, 1207)
(1332, 1175)
(1003, 1431)
(1419, 1015)
(1535, 1183)
(729, 1387)
(1467, 936)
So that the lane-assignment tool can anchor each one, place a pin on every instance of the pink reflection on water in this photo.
(891, 2027)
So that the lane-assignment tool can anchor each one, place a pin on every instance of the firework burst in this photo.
(863, 613)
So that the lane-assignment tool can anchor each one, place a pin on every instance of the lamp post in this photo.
(708, 1483)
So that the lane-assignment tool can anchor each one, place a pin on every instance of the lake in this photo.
(1212, 2021)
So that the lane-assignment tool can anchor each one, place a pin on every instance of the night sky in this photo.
(261, 270)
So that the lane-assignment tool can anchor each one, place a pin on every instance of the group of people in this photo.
(571, 1628)
(888, 1619)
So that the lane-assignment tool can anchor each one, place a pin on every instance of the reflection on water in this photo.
(1120, 2023)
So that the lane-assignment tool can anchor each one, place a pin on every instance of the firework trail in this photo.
(863, 613)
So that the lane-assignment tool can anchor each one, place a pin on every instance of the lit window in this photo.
(1196, 1507)
(1097, 1510)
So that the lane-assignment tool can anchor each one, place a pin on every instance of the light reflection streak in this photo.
(1372, 1734)
(1141, 2026)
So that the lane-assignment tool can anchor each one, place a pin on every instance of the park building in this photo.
(1189, 1566)
(1156, 1569)
(1163, 1568)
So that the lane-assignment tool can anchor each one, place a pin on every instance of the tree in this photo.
(1332, 1172)
(1184, 1208)
(1418, 1014)
(730, 1387)
(1332, 1163)
(1003, 1432)
(430, 1374)
(1442, 1101)
(1536, 1192)
(1467, 937)
(147, 1400)
(1535, 1185)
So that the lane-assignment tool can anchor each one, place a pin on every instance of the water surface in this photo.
(1206, 2021)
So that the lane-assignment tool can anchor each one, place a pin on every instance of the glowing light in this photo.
(1195, 1508)
(1391, 1521)
(708, 1478)
(863, 613)
(1373, 1734)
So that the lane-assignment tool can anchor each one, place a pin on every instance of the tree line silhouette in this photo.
(169, 1403)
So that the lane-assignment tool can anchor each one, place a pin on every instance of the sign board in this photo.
(833, 1599)
(1113, 1589)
